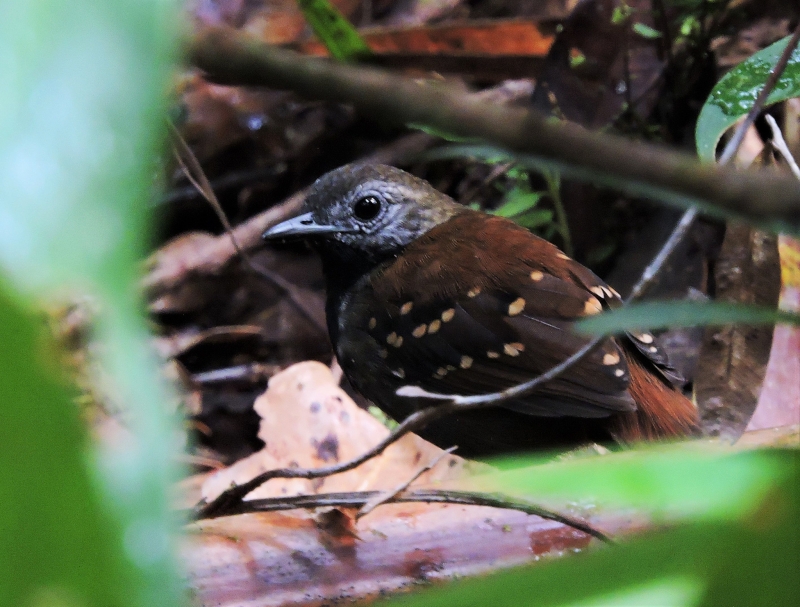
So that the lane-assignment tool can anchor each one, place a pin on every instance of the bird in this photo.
(424, 292)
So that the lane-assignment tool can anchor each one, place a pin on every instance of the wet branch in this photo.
(359, 499)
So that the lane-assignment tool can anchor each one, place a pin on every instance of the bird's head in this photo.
(365, 210)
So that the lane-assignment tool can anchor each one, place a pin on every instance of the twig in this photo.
(360, 498)
(772, 80)
(779, 143)
(459, 402)
(679, 232)
(495, 174)
(197, 177)
(231, 180)
(254, 372)
(773, 201)
(386, 496)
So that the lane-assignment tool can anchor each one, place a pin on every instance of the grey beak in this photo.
(302, 225)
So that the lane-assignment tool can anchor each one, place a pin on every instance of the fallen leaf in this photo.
(308, 421)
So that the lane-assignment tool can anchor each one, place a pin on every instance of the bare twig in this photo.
(459, 402)
(679, 232)
(772, 80)
(553, 180)
(254, 372)
(386, 496)
(496, 172)
(779, 143)
(360, 498)
(236, 179)
(197, 177)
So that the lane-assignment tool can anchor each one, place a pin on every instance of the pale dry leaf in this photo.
(308, 421)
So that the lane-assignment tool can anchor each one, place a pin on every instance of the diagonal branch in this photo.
(679, 179)
(197, 177)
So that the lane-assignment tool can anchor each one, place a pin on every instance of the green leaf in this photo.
(535, 218)
(645, 31)
(518, 201)
(334, 31)
(690, 26)
(735, 94)
(621, 14)
(748, 557)
(436, 132)
(658, 315)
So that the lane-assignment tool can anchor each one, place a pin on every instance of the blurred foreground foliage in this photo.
(737, 542)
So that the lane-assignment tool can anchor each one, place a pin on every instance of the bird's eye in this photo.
(366, 208)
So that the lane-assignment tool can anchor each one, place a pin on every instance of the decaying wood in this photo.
(733, 359)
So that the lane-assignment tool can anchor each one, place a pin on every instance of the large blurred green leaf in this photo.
(681, 481)
(661, 314)
(747, 557)
(735, 94)
(59, 546)
(81, 119)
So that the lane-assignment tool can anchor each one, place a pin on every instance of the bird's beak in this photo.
(302, 225)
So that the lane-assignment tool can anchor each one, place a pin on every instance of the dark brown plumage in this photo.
(425, 292)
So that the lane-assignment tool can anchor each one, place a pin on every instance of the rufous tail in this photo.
(662, 412)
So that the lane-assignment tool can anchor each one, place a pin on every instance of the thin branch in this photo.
(384, 497)
(679, 232)
(685, 223)
(197, 177)
(235, 179)
(459, 402)
(254, 372)
(360, 498)
(772, 80)
(230, 499)
(779, 143)
(495, 174)
(553, 180)
(773, 201)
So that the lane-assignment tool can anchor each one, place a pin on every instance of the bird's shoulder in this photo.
(479, 304)
(474, 253)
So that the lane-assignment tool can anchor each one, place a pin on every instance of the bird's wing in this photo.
(499, 316)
